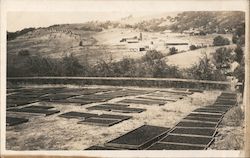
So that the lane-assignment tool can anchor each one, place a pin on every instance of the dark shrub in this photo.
(220, 41)
(124, 68)
(14, 35)
(173, 50)
(102, 69)
(152, 55)
(192, 47)
(41, 66)
(71, 66)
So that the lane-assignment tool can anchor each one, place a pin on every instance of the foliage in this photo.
(220, 41)
(71, 66)
(152, 55)
(239, 54)
(14, 35)
(39, 66)
(102, 69)
(204, 70)
(239, 34)
(124, 68)
(222, 57)
(173, 50)
(239, 72)
(192, 47)
(210, 22)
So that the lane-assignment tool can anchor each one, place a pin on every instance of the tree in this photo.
(239, 72)
(152, 55)
(220, 41)
(222, 57)
(239, 35)
(71, 66)
(204, 70)
(102, 69)
(239, 53)
(125, 68)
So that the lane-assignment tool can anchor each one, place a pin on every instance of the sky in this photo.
(41, 13)
(19, 20)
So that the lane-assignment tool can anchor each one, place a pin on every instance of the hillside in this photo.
(94, 41)
(220, 22)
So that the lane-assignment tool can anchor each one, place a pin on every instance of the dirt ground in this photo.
(56, 133)
(231, 131)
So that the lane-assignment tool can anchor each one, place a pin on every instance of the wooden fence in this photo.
(124, 81)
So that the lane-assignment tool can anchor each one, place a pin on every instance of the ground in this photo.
(55, 133)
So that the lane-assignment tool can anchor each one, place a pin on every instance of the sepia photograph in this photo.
(135, 79)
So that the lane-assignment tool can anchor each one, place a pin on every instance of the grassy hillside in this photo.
(208, 21)
(101, 41)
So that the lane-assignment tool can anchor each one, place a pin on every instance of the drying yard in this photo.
(56, 117)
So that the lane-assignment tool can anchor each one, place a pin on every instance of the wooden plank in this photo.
(116, 109)
(139, 138)
(205, 132)
(76, 101)
(38, 107)
(143, 102)
(227, 98)
(219, 107)
(109, 116)
(19, 102)
(227, 103)
(202, 119)
(210, 110)
(153, 99)
(188, 124)
(78, 115)
(115, 104)
(205, 115)
(54, 97)
(93, 98)
(165, 146)
(100, 121)
(96, 147)
(35, 111)
(188, 140)
(11, 121)
(195, 90)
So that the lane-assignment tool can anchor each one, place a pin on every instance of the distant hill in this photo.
(13, 35)
(97, 40)
(208, 21)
